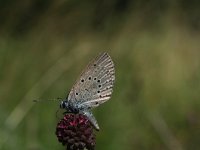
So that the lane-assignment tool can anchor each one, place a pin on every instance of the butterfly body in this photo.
(93, 88)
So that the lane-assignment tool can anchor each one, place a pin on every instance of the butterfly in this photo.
(94, 87)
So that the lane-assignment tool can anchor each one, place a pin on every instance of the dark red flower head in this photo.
(76, 132)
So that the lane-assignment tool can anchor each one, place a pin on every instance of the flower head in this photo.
(76, 132)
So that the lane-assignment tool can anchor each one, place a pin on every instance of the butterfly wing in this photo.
(95, 84)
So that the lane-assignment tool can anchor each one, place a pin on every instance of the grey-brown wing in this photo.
(95, 84)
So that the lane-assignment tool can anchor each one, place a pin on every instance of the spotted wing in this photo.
(95, 84)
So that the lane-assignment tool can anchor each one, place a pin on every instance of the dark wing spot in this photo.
(76, 93)
(99, 85)
(98, 91)
(82, 80)
(97, 103)
(95, 65)
(95, 78)
(89, 78)
(98, 80)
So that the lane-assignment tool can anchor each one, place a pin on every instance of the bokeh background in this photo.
(45, 44)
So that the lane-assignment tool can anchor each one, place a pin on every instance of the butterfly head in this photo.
(63, 104)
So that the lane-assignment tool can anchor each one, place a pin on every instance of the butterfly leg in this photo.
(91, 118)
(64, 113)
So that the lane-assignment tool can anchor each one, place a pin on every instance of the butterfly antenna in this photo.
(43, 100)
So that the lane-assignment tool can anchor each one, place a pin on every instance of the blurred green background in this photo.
(45, 44)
